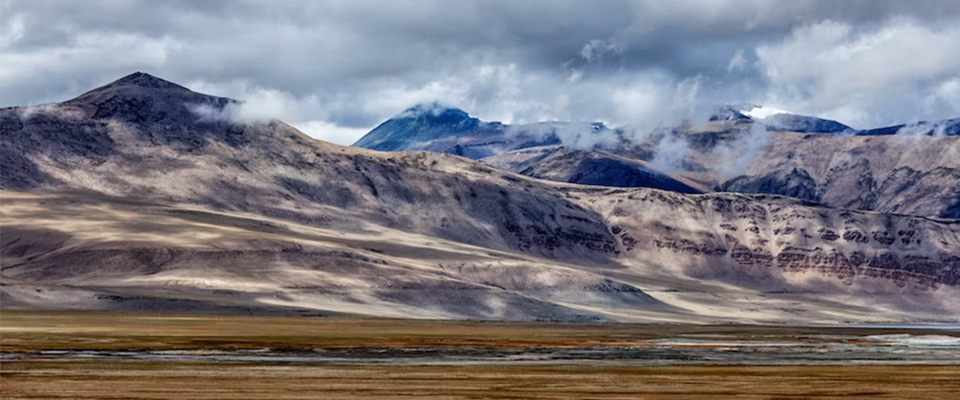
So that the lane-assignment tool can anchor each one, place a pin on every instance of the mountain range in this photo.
(908, 169)
(144, 195)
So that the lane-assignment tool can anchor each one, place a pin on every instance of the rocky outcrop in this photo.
(600, 168)
(784, 237)
(917, 175)
(794, 183)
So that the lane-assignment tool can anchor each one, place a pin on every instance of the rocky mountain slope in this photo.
(917, 175)
(442, 129)
(949, 127)
(528, 149)
(589, 167)
(145, 195)
(910, 169)
(780, 120)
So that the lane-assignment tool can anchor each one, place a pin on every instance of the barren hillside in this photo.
(129, 197)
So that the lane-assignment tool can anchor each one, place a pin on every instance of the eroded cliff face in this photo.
(781, 243)
(596, 168)
(917, 175)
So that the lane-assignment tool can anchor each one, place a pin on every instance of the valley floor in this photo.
(70, 354)
(181, 380)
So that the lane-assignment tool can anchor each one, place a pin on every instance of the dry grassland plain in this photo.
(28, 371)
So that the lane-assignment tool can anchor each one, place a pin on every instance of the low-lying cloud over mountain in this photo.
(337, 69)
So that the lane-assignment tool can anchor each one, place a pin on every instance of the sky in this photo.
(336, 69)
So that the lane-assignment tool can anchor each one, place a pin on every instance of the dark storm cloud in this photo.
(337, 68)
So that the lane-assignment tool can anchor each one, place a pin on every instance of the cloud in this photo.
(737, 62)
(597, 50)
(255, 104)
(12, 31)
(330, 132)
(352, 64)
(264, 105)
(670, 154)
(864, 75)
(100, 56)
(938, 128)
(944, 98)
(25, 113)
(733, 158)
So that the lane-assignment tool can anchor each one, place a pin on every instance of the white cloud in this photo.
(92, 52)
(865, 76)
(330, 132)
(734, 158)
(264, 104)
(597, 50)
(737, 62)
(25, 113)
(12, 31)
(106, 56)
(762, 112)
(639, 63)
(670, 154)
(944, 98)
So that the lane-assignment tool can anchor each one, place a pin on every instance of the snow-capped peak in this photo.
(760, 112)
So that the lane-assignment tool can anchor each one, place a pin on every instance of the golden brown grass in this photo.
(179, 380)
(106, 379)
(81, 330)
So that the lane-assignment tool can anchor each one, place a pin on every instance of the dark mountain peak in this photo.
(777, 119)
(433, 111)
(731, 112)
(419, 126)
(600, 168)
(803, 123)
(141, 97)
(138, 84)
(145, 80)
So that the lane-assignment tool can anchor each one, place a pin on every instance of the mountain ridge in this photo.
(120, 212)
(761, 161)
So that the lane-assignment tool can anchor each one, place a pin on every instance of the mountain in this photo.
(437, 128)
(148, 197)
(914, 172)
(442, 129)
(776, 119)
(948, 127)
(593, 167)
(917, 175)
(785, 121)
(597, 156)
(161, 148)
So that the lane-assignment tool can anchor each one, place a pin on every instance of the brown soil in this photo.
(143, 380)
(81, 330)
